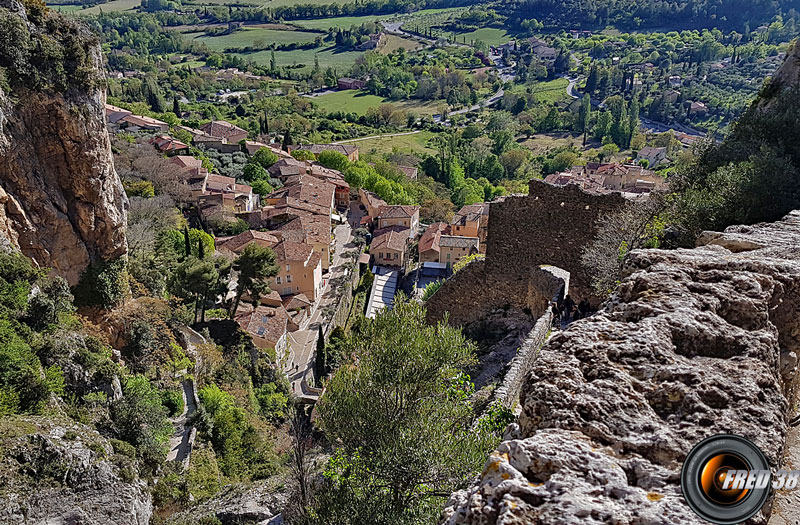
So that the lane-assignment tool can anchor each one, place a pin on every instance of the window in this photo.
(448, 256)
(278, 280)
(396, 255)
(287, 290)
(288, 278)
(288, 268)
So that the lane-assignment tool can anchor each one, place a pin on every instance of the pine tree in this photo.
(176, 107)
(272, 61)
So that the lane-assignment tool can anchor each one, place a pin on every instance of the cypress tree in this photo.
(187, 243)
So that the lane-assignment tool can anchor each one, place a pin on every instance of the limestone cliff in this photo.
(61, 472)
(61, 201)
(689, 346)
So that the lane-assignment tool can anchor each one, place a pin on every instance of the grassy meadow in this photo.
(355, 101)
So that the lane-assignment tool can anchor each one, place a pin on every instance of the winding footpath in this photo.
(182, 441)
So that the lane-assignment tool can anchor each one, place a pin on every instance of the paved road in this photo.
(302, 346)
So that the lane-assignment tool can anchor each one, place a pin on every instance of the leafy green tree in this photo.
(333, 160)
(176, 241)
(262, 187)
(585, 116)
(140, 418)
(254, 171)
(400, 420)
(264, 158)
(254, 267)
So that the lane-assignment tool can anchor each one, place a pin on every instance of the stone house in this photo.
(452, 248)
(472, 221)
(142, 123)
(653, 156)
(350, 83)
(428, 247)
(224, 130)
(399, 215)
(389, 248)
(299, 266)
(348, 150)
(266, 324)
(371, 202)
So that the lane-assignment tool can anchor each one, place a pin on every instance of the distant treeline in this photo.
(737, 15)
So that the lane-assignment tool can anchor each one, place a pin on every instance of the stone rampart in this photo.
(695, 342)
(549, 226)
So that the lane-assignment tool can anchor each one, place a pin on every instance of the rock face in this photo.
(61, 202)
(65, 474)
(689, 346)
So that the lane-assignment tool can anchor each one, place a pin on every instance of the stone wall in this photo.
(507, 394)
(549, 226)
(693, 343)
(343, 306)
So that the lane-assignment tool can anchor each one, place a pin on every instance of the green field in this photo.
(110, 7)
(339, 21)
(341, 61)
(416, 143)
(354, 101)
(491, 36)
(393, 42)
(252, 36)
(67, 8)
(268, 3)
(551, 91)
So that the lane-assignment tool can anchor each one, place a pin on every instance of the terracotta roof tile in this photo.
(397, 211)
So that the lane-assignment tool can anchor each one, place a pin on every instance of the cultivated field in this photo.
(341, 61)
(110, 7)
(414, 143)
(394, 42)
(552, 91)
(354, 101)
(491, 36)
(255, 36)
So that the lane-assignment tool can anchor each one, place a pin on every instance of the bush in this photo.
(141, 188)
(431, 289)
(102, 284)
(172, 401)
(140, 419)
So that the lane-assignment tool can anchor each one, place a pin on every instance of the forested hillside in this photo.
(736, 15)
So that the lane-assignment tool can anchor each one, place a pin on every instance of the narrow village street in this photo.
(302, 343)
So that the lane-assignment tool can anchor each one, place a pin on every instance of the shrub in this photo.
(140, 188)
(102, 284)
(431, 289)
(172, 401)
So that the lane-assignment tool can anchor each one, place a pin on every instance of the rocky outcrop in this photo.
(61, 202)
(689, 346)
(787, 76)
(258, 503)
(66, 473)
